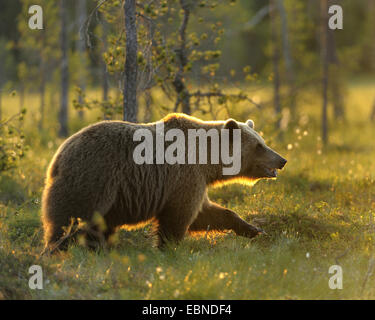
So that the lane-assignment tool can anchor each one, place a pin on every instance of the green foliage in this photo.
(109, 109)
(160, 52)
(12, 147)
(39, 48)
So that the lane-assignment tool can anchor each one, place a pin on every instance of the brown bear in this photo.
(95, 172)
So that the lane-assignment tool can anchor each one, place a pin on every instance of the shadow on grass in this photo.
(302, 182)
(305, 227)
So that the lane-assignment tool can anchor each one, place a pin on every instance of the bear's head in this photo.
(257, 159)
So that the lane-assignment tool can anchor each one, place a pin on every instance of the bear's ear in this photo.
(250, 123)
(231, 124)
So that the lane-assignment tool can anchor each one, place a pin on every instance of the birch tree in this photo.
(325, 67)
(63, 113)
(290, 77)
(275, 63)
(131, 63)
(81, 16)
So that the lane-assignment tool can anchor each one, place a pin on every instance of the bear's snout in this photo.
(282, 163)
(275, 161)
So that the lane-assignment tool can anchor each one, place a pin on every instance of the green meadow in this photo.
(319, 212)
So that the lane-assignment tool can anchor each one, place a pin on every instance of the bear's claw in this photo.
(261, 231)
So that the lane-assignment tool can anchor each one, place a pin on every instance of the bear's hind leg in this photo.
(63, 204)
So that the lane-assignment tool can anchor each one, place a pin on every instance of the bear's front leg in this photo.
(214, 217)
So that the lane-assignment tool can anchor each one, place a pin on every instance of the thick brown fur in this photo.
(93, 171)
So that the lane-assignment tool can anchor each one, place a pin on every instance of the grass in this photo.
(320, 212)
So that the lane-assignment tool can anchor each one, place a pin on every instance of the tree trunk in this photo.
(325, 64)
(275, 62)
(373, 112)
(22, 96)
(42, 85)
(22, 101)
(42, 90)
(105, 79)
(81, 47)
(1, 105)
(336, 80)
(63, 114)
(131, 65)
(372, 14)
(183, 95)
(287, 57)
(371, 4)
(105, 87)
(337, 95)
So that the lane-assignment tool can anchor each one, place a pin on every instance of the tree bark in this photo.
(287, 57)
(105, 80)
(371, 5)
(183, 95)
(131, 65)
(81, 47)
(325, 66)
(337, 95)
(1, 105)
(42, 90)
(276, 64)
(335, 78)
(22, 96)
(105, 87)
(373, 112)
(63, 114)
(372, 14)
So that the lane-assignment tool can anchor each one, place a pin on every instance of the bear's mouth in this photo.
(271, 172)
(268, 172)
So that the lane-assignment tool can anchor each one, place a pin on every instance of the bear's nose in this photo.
(282, 163)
